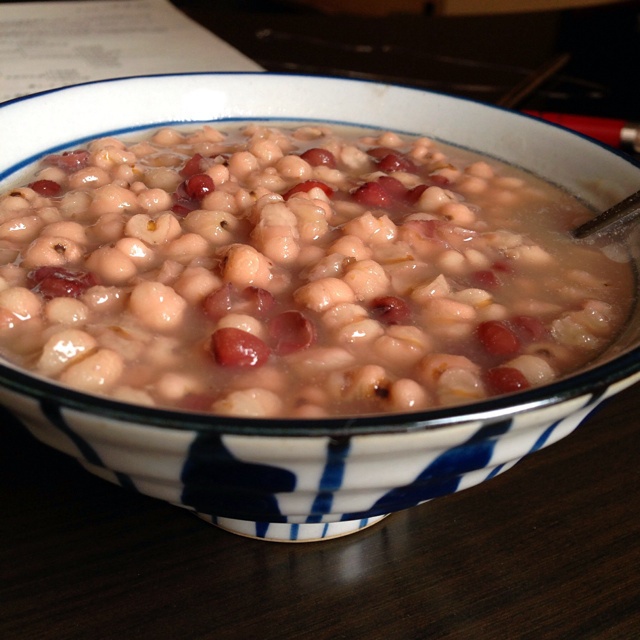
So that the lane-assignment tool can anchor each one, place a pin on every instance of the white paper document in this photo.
(45, 45)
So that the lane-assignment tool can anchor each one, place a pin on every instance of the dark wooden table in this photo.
(551, 549)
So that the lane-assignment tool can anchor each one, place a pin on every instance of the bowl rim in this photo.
(590, 383)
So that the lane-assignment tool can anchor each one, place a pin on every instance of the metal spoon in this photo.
(623, 212)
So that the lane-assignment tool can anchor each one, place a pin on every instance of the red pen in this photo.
(612, 131)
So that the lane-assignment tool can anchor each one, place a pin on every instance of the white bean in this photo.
(434, 365)
(112, 198)
(311, 218)
(530, 255)
(217, 227)
(448, 318)
(137, 251)
(66, 311)
(97, 373)
(243, 322)
(104, 300)
(249, 403)
(157, 306)
(267, 151)
(367, 382)
(167, 137)
(360, 332)
(433, 198)
(332, 265)
(187, 248)
(196, 283)
(324, 293)
(314, 360)
(242, 164)
(372, 230)
(154, 200)
(175, 386)
(354, 158)
(132, 396)
(244, 266)
(367, 278)
(153, 231)
(52, 251)
(21, 229)
(107, 228)
(63, 349)
(407, 395)
(111, 266)
(534, 368)
(458, 213)
(294, 167)
(220, 201)
(21, 302)
(351, 246)
(74, 231)
(343, 314)
(459, 386)
(89, 178)
(402, 346)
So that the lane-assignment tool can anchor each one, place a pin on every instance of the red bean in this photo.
(219, 302)
(390, 160)
(190, 192)
(306, 186)
(393, 187)
(198, 186)
(503, 266)
(505, 380)
(426, 228)
(320, 157)
(224, 300)
(413, 195)
(438, 181)
(198, 164)
(45, 187)
(196, 402)
(485, 279)
(396, 162)
(261, 300)
(192, 166)
(497, 338)
(529, 329)
(183, 206)
(233, 347)
(390, 310)
(377, 153)
(372, 194)
(291, 331)
(58, 282)
(69, 161)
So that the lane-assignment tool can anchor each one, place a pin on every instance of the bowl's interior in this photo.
(34, 126)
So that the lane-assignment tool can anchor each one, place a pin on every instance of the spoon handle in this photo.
(624, 211)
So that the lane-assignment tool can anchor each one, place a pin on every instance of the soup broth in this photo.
(298, 271)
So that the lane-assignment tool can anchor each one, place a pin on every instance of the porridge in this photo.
(298, 271)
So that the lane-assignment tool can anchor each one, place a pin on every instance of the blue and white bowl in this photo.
(292, 480)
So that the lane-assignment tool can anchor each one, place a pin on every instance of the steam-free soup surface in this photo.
(301, 271)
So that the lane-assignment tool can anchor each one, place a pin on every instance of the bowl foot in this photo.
(291, 532)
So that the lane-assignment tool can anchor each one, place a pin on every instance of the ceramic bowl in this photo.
(315, 479)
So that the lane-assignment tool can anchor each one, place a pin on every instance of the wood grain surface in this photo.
(550, 549)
